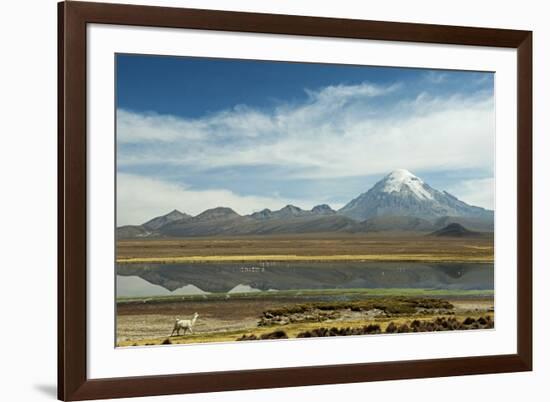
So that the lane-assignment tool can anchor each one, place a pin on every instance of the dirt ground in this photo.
(153, 320)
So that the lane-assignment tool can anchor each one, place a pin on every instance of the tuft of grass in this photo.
(279, 334)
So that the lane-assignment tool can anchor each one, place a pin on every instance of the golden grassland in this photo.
(292, 330)
(316, 258)
(318, 247)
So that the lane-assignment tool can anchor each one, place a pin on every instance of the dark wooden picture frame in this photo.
(73, 383)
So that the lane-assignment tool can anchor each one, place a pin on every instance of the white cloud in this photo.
(141, 198)
(478, 192)
(340, 131)
(150, 127)
(343, 92)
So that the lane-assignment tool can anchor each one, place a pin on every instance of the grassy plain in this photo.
(318, 247)
(358, 293)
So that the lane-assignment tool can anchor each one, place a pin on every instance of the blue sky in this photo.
(195, 133)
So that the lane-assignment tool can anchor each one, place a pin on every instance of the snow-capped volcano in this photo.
(401, 193)
(400, 201)
(403, 180)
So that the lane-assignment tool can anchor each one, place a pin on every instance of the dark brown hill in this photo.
(455, 230)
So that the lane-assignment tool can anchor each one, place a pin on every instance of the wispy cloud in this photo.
(340, 131)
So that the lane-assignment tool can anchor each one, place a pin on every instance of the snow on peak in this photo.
(401, 174)
(400, 178)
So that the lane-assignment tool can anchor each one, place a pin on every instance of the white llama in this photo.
(185, 325)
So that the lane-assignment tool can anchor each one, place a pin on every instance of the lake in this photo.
(147, 280)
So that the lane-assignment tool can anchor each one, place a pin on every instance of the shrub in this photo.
(250, 337)
(403, 328)
(372, 329)
(275, 335)
(335, 332)
(391, 328)
(428, 327)
(271, 335)
(415, 324)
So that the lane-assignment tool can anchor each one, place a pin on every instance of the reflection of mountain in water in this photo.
(313, 275)
(134, 286)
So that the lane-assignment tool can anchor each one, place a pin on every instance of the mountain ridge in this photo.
(400, 201)
(160, 221)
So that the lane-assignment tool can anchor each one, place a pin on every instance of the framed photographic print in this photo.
(253, 200)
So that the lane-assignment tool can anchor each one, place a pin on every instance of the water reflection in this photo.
(137, 280)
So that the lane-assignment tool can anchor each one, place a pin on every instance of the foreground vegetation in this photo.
(307, 330)
(286, 319)
(438, 324)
